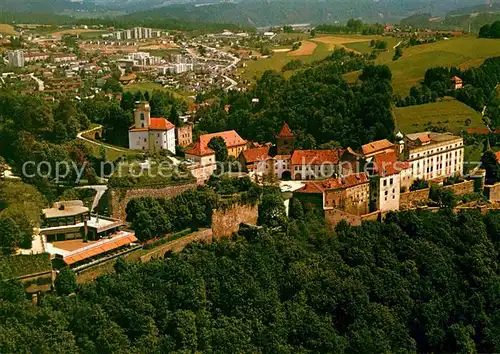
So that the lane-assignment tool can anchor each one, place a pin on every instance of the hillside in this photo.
(267, 13)
(464, 52)
(451, 115)
(420, 282)
(463, 18)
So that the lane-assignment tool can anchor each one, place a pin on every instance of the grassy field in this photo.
(449, 114)
(111, 154)
(409, 70)
(81, 31)
(7, 29)
(312, 49)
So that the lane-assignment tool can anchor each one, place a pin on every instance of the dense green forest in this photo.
(352, 26)
(316, 102)
(419, 282)
(42, 17)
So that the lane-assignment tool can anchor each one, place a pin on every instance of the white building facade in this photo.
(434, 155)
(151, 133)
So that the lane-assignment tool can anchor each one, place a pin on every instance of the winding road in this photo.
(81, 137)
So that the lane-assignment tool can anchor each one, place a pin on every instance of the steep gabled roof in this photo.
(199, 150)
(285, 132)
(257, 154)
(160, 124)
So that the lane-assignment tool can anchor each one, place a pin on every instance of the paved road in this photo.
(79, 136)
(41, 86)
(101, 189)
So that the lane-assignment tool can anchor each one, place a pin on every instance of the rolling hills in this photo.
(463, 52)
(257, 13)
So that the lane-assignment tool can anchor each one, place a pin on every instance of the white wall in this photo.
(138, 140)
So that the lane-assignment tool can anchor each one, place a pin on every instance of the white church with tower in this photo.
(149, 133)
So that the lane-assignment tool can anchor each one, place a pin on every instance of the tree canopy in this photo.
(418, 282)
(316, 102)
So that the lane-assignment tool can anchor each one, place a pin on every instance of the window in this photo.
(385, 182)
(391, 182)
(142, 116)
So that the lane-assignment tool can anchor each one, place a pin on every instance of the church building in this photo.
(149, 133)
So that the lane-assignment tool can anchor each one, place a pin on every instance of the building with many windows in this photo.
(15, 58)
(432, 155)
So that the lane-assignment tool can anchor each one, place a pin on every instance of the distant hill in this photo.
(259, 13)
(460, 18)
(276, 12)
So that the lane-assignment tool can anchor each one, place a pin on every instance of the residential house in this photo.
(184, 135)
(235, 143)
(257, 160)
(315, 164)
(204, 163)
(349, 194)
(457, 82)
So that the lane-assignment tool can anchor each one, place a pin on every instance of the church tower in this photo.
(285, 140)
(142, 115)
(399, 147)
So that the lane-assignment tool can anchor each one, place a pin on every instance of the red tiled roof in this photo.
(318, 187)
(160, 124)
(103, 246)
(156, 124)
(456, 79)
(497, 154)
(387, 164)
(346, 182)
(376, 146)
(257, 154)
(285, 132)
(231, 138)
(311, 188)
(316, 157)
(424, 138)
(199, 150)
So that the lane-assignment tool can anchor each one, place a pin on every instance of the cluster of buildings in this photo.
(19, 58)
(140, 59)
(356, 182)
(74, 237)
(134, 33)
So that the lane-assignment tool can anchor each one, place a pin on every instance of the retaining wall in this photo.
(119, 197)
(226, 222)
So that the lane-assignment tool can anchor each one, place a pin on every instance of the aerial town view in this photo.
(198, 176)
